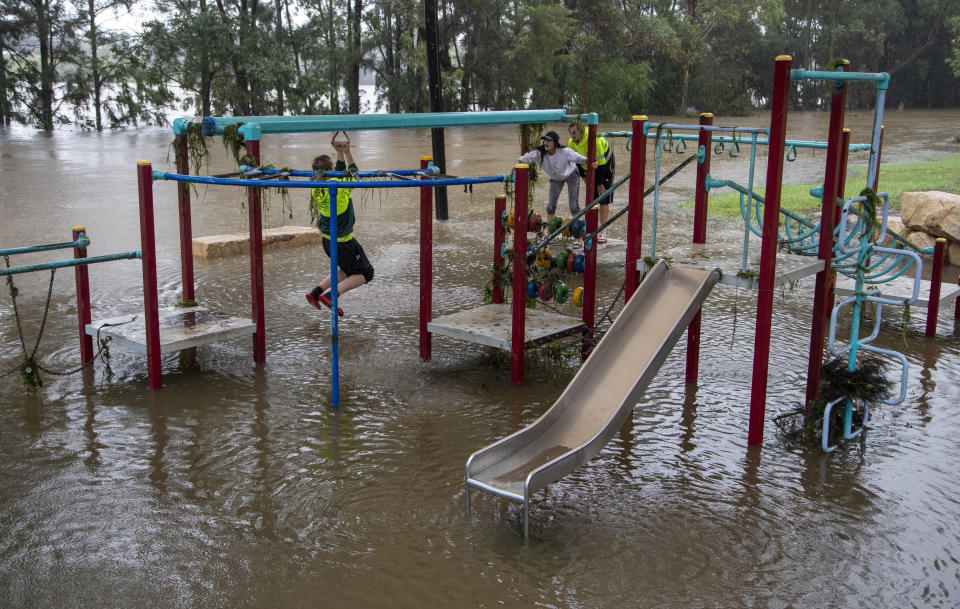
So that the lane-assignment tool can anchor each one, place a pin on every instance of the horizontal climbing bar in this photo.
(881, 78)
(46, 266)
(176, 177)
(254, 126)
(303, 173)
(726, 139)
(647, 127)
(82, 242)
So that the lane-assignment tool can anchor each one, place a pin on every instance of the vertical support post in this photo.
(186, 225)
(499, 207)
(823, 287)
(256, 261)
(82, 279)
(936, 276)
(426, 264)
(638, 159)
(703, 169)
(518, 334)
(334, 194)
(590, 253)
(705, 143)
(768, 248)
(148, 257)
(838, 211)
(876, 178)
(524, 134)
(590, 271)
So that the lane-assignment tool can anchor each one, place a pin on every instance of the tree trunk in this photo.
(45, 35)
(95, 66)
(354, 15)
(281, 36)
(682, 110)
(332, 62)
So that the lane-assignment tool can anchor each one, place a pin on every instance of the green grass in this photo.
(940, 174)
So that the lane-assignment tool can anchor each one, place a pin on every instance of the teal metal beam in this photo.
(46, 266)
(254, 126)
(881, 78)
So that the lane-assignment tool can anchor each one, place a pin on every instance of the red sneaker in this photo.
(316, 301)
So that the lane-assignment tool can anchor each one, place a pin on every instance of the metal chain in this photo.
(29, 359)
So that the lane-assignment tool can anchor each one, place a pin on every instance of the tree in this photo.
(37, 66)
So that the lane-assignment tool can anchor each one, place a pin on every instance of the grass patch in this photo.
(940, 174)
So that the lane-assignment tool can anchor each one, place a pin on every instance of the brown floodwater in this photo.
(238, 485)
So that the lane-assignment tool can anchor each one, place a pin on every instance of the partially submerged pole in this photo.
(768, 249)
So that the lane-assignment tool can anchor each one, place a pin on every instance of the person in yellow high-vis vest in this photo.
(353, 267)
(603, 174)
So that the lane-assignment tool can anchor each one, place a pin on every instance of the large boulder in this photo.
(933, 212)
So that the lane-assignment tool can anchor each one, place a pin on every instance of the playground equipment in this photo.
(601, 395)
(857, 250)
(30, 367)
(606, 389)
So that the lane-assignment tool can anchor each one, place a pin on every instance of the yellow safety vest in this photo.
(604, 151)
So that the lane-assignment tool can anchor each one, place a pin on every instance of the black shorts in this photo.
(351, 258)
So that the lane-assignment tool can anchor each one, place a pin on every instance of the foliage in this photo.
(867, 384)
(60, 64)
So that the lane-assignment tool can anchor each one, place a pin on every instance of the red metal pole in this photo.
(936, 276)
(519, 321)
(590, 255)
(590, 272)
(768, 248)
(148, 256)
(831, 181)
(838, 211)
(426, 263)
(82, 279)
(256, 262)
(186, 226)
(704, 141)
(703, 168)
(638, 159)
(499, 206)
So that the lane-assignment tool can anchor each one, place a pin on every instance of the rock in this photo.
(921, 239)
(235, 244)
(953, 253)
(934, 212)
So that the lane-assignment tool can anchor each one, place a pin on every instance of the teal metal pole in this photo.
(254, 126)
(46, 266)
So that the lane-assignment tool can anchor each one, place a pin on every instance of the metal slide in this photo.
(601, 395)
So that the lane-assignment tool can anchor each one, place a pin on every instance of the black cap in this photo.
(551, 135)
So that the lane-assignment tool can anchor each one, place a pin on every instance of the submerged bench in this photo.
(234, 244)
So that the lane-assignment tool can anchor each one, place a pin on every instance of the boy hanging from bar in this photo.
(353, 267)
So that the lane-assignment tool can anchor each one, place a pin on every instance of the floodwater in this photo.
(238, 485)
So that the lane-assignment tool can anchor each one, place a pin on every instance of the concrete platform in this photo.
(179, 329)
(490, 325)
(790, 267)
(235, 244)
(900, 288)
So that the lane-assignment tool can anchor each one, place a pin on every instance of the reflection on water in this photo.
(238, 486)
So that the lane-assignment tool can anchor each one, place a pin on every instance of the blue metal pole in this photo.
(334, 297)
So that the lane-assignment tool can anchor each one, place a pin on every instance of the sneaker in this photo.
(576, 245)
(317, 299)
(602, 239)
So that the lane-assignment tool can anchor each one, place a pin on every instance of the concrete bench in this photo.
(234, 244)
